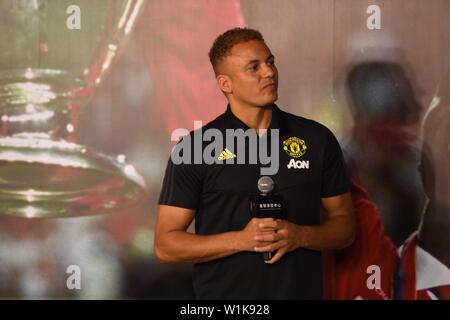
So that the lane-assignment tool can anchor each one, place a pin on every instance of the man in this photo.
(229, 242)
(425, 257)
(382, 150)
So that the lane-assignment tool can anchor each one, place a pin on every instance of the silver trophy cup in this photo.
(53, 54)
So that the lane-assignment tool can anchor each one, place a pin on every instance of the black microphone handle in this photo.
(267, 256)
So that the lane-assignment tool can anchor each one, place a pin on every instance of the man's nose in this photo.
(268, 70)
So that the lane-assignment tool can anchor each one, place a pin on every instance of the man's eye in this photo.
(271, 62)
(253, 67)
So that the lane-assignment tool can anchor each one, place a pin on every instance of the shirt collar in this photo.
(234, 122)
(430, 272)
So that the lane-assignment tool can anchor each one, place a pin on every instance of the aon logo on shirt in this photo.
(298, 164)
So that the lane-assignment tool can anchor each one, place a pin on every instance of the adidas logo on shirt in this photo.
(226, 154)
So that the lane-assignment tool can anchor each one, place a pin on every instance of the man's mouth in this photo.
(271, 85)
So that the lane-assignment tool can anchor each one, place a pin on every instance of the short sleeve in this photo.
(335, 179)
(182, 185)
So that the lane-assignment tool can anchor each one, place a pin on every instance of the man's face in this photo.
(252, 75)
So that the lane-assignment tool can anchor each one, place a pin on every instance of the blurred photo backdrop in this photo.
(90, 94)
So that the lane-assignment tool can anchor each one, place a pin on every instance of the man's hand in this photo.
(284, 238)
(337, 231)
(254, 230)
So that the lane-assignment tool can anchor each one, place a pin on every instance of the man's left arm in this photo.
(337, 230)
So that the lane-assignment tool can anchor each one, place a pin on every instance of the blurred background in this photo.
(372, 88)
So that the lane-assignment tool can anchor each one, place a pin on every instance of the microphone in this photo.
(265, 185)
(266, 205)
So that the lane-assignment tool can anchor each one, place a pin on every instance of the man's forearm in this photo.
(182, 246)
(335, 233)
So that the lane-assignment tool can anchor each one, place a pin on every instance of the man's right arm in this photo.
(174, 244)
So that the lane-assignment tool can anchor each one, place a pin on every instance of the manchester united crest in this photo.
(294, 147)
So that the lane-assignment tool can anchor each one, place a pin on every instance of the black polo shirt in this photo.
(220, 194)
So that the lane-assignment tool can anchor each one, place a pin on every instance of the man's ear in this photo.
(224, 83)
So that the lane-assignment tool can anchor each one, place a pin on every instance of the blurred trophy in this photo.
(53, 53)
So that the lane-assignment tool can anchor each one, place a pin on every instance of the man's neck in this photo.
(254, 117)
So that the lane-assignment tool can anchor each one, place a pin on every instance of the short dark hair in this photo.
(227, 40)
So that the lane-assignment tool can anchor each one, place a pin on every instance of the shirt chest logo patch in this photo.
(294, 147)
